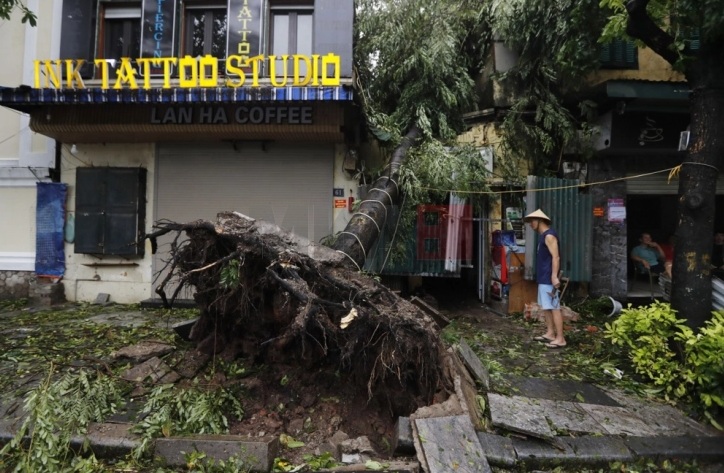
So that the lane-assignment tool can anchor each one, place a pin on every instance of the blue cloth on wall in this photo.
(49, 219)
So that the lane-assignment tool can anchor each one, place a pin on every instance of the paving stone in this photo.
(618, 420)
(143, 351)
(108, 440)
(451, 444)
(666, 421)
(700, 448)
(519, 414)
(473, 364)
(258, 454)
(402, 442)
(498, 449)
(555, 390)
(569, 418)
(151, 370)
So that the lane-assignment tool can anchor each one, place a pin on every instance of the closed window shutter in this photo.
(619, 54)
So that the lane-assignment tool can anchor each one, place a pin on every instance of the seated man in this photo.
(648, 255)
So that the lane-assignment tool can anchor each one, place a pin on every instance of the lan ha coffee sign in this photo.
(314, 70)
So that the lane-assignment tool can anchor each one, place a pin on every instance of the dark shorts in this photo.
(657, 269)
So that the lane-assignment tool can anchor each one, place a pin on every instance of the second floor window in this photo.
(205, 28)
(121, 32)
(291, 32)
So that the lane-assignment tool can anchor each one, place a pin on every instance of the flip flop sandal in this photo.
(542, 339)
(554, 345)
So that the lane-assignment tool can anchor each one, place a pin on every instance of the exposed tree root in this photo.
(271, 295)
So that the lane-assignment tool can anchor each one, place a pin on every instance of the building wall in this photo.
(610, 252)
(24, 156)
(85, 275)
(652, 67)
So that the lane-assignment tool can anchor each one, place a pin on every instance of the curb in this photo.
(113, 440)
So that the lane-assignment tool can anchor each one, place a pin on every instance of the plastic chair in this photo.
(645, 273)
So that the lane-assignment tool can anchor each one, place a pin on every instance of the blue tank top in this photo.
(544, 261)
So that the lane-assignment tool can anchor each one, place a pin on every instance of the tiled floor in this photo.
(639, 288)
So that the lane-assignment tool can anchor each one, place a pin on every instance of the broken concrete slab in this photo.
(700, 448)
(450, 444)
(143, 351)
(554, 389)
(258, 454)
(183, 329)
(498, 449)
(473, 364)
(108, 440)
(567, 418)
(450, 407)
(152, 370)
(664, 420)
(467, 393)
(618, 420)
(402, 442)
(519, 414)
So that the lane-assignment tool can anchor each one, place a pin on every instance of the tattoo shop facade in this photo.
(165, 110)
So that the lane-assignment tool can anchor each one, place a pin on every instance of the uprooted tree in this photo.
(278, 298)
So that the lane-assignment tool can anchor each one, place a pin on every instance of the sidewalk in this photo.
(534, 424)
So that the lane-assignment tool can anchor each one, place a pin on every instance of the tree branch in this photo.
(641, 26)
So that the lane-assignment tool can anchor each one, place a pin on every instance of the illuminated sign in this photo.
(192, 71)
(244, 28)
(157, 34)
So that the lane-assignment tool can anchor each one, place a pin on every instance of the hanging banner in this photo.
(157, 36)
(49, 221)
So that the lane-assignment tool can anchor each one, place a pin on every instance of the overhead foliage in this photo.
(416, 62)
(7, 7)
(556, 45)
(684, 21)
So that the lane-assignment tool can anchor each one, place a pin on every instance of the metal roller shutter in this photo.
(284, 183)
(658, 184)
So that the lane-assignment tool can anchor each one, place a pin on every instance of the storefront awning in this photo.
(25, 99)
(641, 95)
(158, 114)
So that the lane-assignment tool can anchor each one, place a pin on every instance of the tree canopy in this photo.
(8, 6)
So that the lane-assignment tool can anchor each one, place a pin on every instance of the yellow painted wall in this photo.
(652, 67)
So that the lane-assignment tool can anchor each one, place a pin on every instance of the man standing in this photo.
(548, 263)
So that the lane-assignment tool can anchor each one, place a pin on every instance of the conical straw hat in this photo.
(537, 214)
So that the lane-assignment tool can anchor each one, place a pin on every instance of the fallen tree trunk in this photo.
(279, 298)
(363, 229)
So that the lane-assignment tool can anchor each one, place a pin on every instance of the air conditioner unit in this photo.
(486, 154)
(602, 137)
(684, 138)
